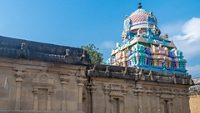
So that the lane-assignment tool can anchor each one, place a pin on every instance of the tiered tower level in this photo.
(144, 47)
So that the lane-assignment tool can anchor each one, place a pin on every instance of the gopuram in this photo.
(144, 47)
(146, 74)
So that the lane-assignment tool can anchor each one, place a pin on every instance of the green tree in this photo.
(95, 56)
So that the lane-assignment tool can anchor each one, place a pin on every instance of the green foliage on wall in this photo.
(95, 56)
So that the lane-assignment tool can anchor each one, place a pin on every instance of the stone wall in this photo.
(194, 103)
(28, 86)
(142, 94)
(32, 86)
(123, 96)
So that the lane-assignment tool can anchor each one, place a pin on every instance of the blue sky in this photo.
(80, 22)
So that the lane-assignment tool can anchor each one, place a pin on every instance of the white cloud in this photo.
(188, 40)
(172, 28)
(191, 29)
(108, 45)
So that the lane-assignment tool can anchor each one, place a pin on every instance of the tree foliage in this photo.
(94, 54)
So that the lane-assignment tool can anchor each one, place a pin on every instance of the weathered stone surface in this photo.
(41, 87)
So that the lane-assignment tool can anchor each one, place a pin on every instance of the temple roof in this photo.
(30, 50)
(137, 74)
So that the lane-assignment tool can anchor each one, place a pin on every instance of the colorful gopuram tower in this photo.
(144, 47)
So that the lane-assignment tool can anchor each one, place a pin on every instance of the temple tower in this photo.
(144, 47)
